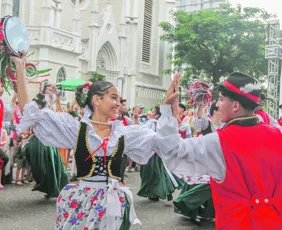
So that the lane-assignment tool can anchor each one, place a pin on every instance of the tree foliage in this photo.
(214, 43)
(96, 77)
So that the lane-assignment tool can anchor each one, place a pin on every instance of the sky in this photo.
(271, 6)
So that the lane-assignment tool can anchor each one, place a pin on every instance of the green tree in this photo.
(96, 77)
(215, 43)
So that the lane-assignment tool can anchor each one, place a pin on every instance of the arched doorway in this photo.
(107, 63)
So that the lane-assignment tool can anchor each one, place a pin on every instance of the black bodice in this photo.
(95, 166)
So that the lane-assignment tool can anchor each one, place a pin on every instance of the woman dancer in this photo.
(98, 201)
(46, 164)
(156, 181)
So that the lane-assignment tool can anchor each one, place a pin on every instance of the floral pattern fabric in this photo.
(192, 180)
(84, 208)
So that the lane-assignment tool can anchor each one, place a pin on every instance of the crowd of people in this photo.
(225, 157)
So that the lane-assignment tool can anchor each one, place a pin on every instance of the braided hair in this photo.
(84, 93)
(40, 100)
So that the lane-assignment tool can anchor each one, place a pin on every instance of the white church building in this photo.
(116, 38)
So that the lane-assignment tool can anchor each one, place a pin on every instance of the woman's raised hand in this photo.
(19, 61)
(173, 91)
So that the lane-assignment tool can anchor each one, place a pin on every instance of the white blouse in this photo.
(182, 156)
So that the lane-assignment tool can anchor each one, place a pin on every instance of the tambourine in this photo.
(15, 35)
(13, 38)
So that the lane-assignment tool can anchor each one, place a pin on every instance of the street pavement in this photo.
(22, 209)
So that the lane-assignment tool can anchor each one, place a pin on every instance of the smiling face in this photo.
(149, 115)
(227, 108)
(180, 110)
(108, 105)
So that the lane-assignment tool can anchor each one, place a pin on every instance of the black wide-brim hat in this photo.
(244, 85)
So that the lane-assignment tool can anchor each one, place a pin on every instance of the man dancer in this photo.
(244, 158)
(183, 122)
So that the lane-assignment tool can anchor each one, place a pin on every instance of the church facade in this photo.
(118, 39)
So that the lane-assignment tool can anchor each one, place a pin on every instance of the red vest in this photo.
(264, 116)
(250, 196)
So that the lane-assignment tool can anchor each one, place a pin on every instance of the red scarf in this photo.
(124, 121)
(1, 113)
(183, 134)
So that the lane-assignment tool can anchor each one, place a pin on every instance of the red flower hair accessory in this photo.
(85, 90)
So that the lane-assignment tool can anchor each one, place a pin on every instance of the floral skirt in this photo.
(95, 205)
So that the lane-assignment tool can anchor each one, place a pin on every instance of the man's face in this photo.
(140, 110)
(225, 108)
(122, 108)
(1, 91)
(180, 110)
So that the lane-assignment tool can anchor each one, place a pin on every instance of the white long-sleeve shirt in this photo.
(182, 156)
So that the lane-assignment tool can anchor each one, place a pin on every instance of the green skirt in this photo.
(195, 200)
(47, 167)
(155, 181)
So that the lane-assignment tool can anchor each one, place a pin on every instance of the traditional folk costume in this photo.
(156, 180)
(184, 127)
(267, 119)
(98, 201)
(47, 167)
(244, 160)
(195, 199)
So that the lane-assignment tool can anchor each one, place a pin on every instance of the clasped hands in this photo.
(172, 95)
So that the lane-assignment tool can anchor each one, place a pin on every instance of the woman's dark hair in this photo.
(40, 100)
(158, 111)
(245, 102)
(99, 88)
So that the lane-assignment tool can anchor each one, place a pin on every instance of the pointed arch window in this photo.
(61, 76)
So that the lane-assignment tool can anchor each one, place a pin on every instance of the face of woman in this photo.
(154, 113)
(149, 115)
(109, 104)
(190, 112)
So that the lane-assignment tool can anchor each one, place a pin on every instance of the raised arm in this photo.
(21, 84)
(52, 129)
(192, 156)
(200, 122)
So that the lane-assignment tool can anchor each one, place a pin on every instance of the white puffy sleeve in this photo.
(184, 124)
(200, 124)
(140, 143)
(51, 128)
(192, 156)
